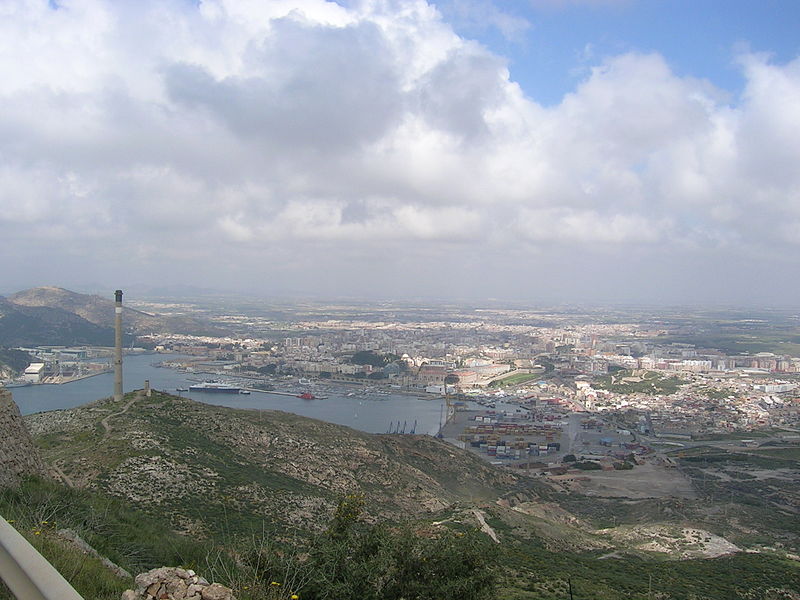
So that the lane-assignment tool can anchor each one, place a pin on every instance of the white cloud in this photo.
(302, 126)
(479, 15)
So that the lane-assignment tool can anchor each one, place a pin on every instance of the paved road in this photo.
(573, 432)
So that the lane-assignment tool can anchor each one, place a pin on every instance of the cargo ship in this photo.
(214, 387)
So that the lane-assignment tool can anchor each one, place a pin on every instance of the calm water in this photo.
(371, 412)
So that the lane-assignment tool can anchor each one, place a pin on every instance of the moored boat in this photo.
(214, 387)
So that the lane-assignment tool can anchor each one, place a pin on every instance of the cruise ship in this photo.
(214, 387)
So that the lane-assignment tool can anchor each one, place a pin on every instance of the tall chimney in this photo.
(118, 345)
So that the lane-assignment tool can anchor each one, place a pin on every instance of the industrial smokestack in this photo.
(118, 345)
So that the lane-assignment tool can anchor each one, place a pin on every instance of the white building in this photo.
(34, 373)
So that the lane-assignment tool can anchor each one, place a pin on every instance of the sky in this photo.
(535, 151)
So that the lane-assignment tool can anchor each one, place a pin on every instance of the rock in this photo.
(174, 583)
(216, 591)
(144, 580)
(176, 589)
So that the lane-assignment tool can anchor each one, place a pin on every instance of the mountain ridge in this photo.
(99, 311)
(22, 325)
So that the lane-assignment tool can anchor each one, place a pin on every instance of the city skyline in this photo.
(616, 151)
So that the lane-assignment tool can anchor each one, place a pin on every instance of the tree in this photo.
(368, 357)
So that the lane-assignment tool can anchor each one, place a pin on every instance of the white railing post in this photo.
(26, 572)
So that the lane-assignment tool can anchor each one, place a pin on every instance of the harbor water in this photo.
(369, 411)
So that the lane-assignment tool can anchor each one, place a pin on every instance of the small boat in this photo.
(181, 389)
(307, 396)
(245, 392)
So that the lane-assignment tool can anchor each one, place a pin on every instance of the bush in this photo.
(588, 465)
(353, 561)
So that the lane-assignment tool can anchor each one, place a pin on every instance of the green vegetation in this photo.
(648, 383)
(588, 465)
(715, 393)
(792, 453)
(356, 561)
(544, 576)
(17, 360)
(133, 540)
(515, 379)
(351, 560)
(742, 343)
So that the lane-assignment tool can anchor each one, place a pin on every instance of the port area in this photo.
(602, 459)
(70, 377)
(537, 433)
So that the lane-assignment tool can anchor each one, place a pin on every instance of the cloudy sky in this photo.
(534, 150)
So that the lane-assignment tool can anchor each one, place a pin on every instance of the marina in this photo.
(363, 409)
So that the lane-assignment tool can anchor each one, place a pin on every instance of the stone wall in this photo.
(18, 455)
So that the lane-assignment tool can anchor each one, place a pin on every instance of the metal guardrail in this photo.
(26, 572)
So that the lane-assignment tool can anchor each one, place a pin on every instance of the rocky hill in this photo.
(100, 311)
(168, 454)
(18, 455)
(223, 477)
(22, 325)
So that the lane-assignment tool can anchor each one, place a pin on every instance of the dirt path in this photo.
(485, 528)
(64, 477)
(125, 408)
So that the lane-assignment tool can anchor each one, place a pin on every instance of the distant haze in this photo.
(580, 151)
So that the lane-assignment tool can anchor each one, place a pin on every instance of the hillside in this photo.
(165, 452)
(13, 362)
(230, 479)
(100, 311)
(22, 325)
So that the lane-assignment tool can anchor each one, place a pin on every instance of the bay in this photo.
(372, 412)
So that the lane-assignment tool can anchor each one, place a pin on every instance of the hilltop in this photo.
(99, 311)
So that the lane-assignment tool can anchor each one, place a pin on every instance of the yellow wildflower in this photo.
(274, 583)
(295, 597)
